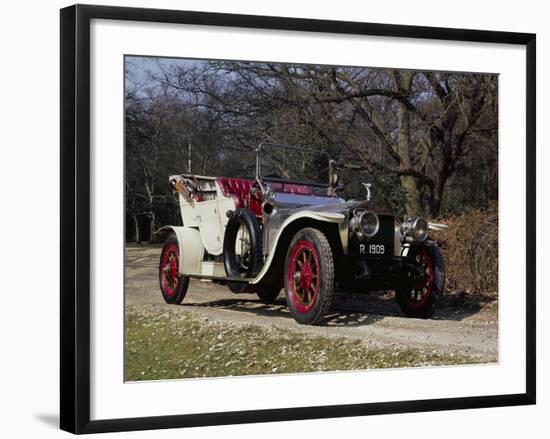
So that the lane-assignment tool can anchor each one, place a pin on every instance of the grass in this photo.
(177, 345)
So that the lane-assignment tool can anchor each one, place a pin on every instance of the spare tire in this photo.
(246, 263)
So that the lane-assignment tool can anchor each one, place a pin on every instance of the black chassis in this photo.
(367, 273)
(357, 272)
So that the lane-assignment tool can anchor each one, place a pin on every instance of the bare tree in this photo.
(420, 134)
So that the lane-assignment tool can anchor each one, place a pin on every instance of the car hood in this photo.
(337, 207)
(298, 202)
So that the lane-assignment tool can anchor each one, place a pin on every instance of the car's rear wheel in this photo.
(173, 286)
(309, 276)
(420, 299)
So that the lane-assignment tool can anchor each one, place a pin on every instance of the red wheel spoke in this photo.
(303, 276)
(421, 291)
(169, 269)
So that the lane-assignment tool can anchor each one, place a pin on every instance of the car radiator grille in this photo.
(380, 245)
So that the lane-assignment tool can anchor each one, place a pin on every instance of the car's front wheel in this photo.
(173, 286)
(420, 299)
(309, 276)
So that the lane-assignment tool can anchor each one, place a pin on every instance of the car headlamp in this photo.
(365, 224)
(414, 229)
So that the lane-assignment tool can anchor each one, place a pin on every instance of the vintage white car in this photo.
(285, 229)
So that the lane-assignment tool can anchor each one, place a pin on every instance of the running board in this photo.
(215, 270)
(221, 278)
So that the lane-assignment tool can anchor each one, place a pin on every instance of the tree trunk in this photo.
(152, 226)
(152, 216)
(437, 193)
(413, 203)
(136, 230)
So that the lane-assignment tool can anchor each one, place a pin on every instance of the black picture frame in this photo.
(75, 217)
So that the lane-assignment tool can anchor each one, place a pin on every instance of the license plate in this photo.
(372, 249)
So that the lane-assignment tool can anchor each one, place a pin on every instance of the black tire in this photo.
(309, 291)
(242, 217)
(432, 287)
(268, 293)
(173, 286)
(240, 287)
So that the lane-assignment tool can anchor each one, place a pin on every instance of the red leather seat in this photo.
(239, 190)
(291, 188)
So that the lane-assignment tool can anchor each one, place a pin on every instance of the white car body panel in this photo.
(209, 221)
(190, 248)
(213, 269)
(439, 227)
(209, 216)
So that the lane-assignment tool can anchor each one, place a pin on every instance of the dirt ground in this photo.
(374, 318)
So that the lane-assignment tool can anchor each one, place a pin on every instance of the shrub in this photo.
(470, 247)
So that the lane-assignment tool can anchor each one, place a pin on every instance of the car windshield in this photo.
(291, 164)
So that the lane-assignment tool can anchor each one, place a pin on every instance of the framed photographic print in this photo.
(304, 218)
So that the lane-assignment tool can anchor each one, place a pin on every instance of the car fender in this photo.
(438, 227)
(328, 217)
(402, 250)
(190, 247)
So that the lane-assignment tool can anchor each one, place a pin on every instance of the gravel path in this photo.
(374, 318)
